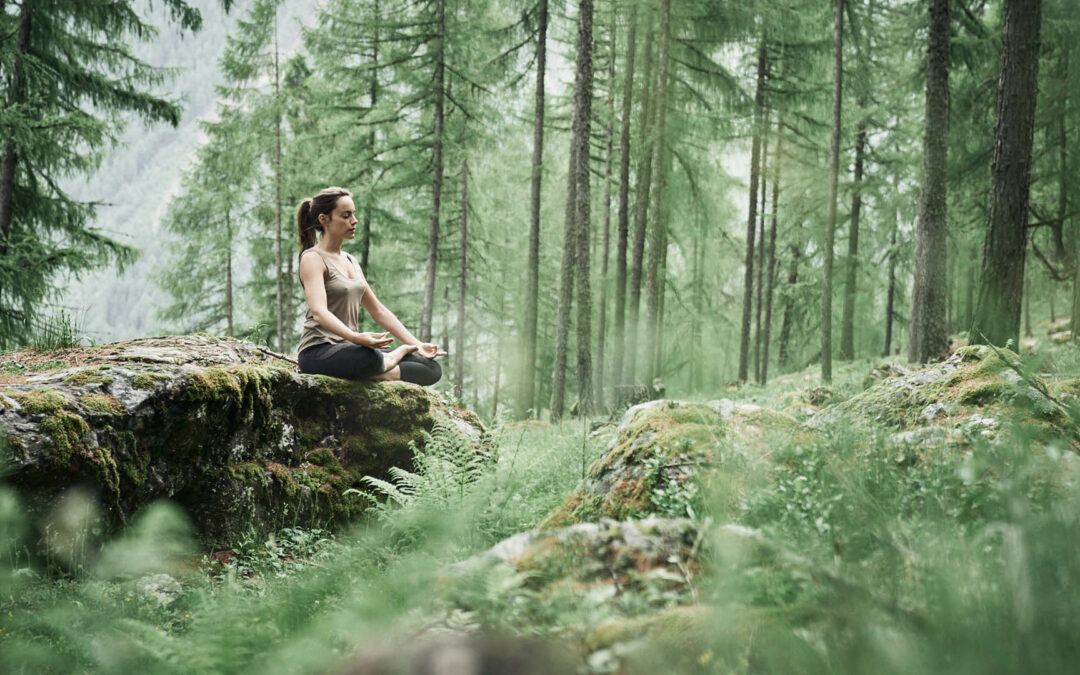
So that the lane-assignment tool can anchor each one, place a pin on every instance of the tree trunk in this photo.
(751, 221)
(610, 134)
(695, 319)
(969, 300)
(373, 92)
(582, 123)
(657, 238)
(830, 220)
(771, 272)
(929, 338)
(890, 294)
(463, 270)
(847, 323)
(283, 345)
(624, 200)
(789, 306)
(1027, 304)
(437, 167)
(997, 313)
(228, 276)
(527, 397)
(641, 209)
(763, 189)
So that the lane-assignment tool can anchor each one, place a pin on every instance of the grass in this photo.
(867, 556)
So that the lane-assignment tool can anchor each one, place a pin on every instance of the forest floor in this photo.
(871, 552)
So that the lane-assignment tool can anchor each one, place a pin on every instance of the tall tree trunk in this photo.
(969, 299)
(601, 338)
(10, 158)
(228, 275)
(657, 238)
(783, 354)
(463, 270)
(847, 323)
(929, 337)
(890, 294)
(373, 92)
(283, 345)
(437, 167)
(658, 332)
(582, 123)
(760, 271)
(997, 314)
(1027, 304)
(695, 318)
(624, 201)
(641, 211)
(834, 172)
(771, 272)
(751, 220)
(527, 396)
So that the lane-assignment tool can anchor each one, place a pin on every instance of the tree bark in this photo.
(283, 345)
(784, 355)
(624, 200)
(929, 338)
(463, 270)
(641, 209)
(997, 313)
(228, 276)
(751, 220)
(758, 306)
(582, 123)
(437, 167)
(527, 396)
(610, 135)
(657, 238)
(830, 221)
(771, 272)
(890, 294)
(847, 323)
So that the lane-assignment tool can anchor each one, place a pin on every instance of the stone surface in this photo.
(238, 438)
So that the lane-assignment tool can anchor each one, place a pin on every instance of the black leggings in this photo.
(354, 362)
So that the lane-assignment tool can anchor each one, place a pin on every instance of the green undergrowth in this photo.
(866, 555)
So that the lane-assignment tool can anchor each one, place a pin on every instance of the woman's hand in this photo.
(373, 340)
(429, 350)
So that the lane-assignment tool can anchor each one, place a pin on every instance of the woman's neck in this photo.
(330, 245)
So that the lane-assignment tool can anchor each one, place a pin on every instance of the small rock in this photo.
(1061, 337)
(1059, 326)
(160, 589)
(932, 412)
(922, 436)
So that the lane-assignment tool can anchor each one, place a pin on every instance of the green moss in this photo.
(16, 447)
(325, 457)
(133, 464)
(52, 364)
(40, 401)
(148, 380)
(102, 403)
(983, 391)
(67, 432)
(247, 472)
(244, 388)
(89, 376)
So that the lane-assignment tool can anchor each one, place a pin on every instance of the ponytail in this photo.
(304, 227)
(307, 216)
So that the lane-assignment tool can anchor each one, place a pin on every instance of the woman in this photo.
(335, 289)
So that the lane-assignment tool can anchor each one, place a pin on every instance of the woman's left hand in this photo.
(429, 350)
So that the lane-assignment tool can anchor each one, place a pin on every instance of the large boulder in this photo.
(237, 437)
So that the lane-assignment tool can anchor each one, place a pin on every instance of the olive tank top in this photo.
(342, 299)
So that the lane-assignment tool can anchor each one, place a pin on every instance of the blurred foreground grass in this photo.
(958, 559)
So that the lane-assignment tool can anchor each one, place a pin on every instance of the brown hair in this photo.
(307, 216)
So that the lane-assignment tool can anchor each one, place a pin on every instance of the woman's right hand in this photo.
(373, 340)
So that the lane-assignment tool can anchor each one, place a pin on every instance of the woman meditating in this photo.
(335, 289)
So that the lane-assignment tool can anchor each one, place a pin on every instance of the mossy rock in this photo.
(975, 380)
(240, 439)
(665, 452)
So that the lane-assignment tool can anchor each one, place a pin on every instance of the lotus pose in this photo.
(335, 288)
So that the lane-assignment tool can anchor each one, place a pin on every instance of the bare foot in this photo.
(392, 358)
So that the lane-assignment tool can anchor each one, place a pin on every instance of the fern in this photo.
(446, 466)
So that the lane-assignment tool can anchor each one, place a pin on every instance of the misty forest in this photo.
(759, 321)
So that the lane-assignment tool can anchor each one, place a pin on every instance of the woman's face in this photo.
(341, 224)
